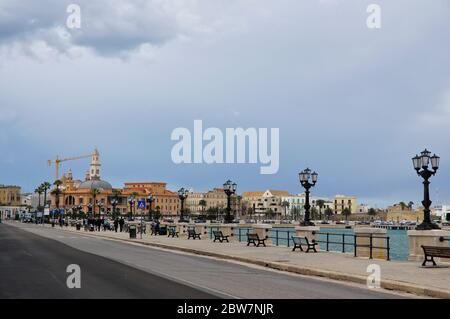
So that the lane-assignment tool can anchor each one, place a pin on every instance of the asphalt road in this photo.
(35, 267)
(33, 263)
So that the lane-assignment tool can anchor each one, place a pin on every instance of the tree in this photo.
(402, 205)
(328, 212)
(45, 187)
(410, 205)
(372, 212)
(57, 193)
(39, 190)
(346, 212)
(285, 205)
(320, 203)
(296, 213)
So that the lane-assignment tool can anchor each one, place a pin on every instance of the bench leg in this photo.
(429, 260)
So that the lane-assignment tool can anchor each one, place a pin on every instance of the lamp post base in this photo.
(307, 223)
(427, 226)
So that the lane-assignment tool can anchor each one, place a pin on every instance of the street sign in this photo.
(141, 204)
(47, 211)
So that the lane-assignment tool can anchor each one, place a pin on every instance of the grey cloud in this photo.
(108, 27)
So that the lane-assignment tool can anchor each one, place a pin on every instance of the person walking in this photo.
(116, 224)
(121, 222)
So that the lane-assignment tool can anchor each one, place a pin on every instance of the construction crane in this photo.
(57, 161)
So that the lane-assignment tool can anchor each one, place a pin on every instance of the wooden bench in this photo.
(434, 251)
(298, 241)
(255, 240)
(192, 234)
(218, 235)
(172, 232)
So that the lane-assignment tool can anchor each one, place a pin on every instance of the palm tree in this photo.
(39, 190)
(45, 186)
(410, 205)
(328, 212)
(320, 203)
(94, 193)
(57, 193)
(346, 212)
(402, 205)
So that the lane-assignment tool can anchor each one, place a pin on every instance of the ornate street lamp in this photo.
(131, 201)
(307, 180)
(230, 189)
(150, 200)
(182, 195)
(421, 164)
(100, 206)
(90, 208)
(114, 203)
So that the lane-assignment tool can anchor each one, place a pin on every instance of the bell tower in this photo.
(94, 170)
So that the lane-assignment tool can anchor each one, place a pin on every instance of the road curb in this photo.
(386, 284)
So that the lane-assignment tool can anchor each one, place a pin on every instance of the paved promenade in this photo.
(403, 276)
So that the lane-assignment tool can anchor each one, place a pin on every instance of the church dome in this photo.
(95, 184)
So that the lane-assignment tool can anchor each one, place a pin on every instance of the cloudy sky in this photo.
(353, 103)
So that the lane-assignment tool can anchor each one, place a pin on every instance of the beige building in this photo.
(342, 201)
(215, 198)
(10, 195)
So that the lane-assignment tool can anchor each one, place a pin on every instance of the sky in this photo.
(353, 103)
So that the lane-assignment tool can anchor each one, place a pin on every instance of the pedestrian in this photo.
(121, 222)
(116, 224)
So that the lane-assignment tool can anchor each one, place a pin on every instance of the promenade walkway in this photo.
(406, 276)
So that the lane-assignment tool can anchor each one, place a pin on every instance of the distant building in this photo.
(443, 212)
(78, 195)
(10, 195)
(215, 198)
(342, 202)
(264, 202)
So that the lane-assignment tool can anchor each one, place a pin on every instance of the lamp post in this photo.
(100, 206)
(182, 195)
(114, 203)
(90, 208)
(230, 189)
(150, 199)
(307, 180)
(421, 164)
(131, 201)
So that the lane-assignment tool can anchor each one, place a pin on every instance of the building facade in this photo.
(264, 204)
(95, 196)
(10, 195)
(342, 202)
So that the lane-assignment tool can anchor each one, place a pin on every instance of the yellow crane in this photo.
(57, 161)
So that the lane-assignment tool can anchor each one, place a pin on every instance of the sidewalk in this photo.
(403, 276)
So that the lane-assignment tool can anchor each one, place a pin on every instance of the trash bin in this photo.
(132, 230)
(78, 226)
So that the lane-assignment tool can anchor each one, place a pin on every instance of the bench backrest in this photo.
(217, 233)
(191, 231)
(253, 236)
(298, 240)
(437, 251)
